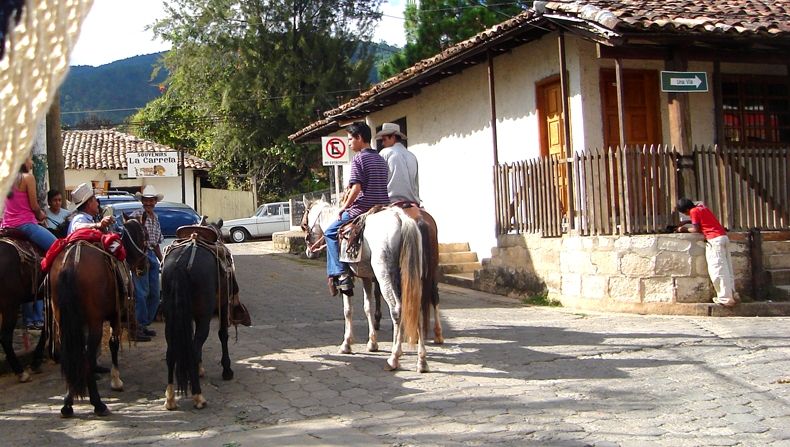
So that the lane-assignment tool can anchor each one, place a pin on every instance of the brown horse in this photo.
(88, 287)
(20, 282)
(197, 281)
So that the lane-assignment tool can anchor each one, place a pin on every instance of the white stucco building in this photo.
(99, 157)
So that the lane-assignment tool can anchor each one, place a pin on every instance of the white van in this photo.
(269, 218)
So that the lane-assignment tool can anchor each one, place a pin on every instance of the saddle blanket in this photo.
(110, 241)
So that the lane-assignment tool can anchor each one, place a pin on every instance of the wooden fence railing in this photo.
(746, 188)
(634, 190)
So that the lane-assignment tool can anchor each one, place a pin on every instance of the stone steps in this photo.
(466, 280)
(782, 292)
(457, 264)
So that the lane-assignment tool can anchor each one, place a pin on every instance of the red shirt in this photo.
(707, 222)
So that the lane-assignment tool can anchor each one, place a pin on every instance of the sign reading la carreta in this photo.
(152, 164)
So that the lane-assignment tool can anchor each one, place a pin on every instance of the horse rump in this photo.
(73, 352)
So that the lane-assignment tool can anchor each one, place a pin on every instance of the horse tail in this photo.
(410, 277)
(430, 265)
(177, 309)
(73, 355)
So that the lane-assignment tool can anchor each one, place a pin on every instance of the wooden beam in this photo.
(680, 129)
(618, 72)
(566, 120)
(492, 101)
(720, 53)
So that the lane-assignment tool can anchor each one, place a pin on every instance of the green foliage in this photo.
(434, 25)
(250, 73)
(541, 299)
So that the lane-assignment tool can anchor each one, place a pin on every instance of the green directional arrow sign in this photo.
(684, 81)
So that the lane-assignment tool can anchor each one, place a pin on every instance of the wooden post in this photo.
(618, 71)
(566, 117)
(492, 102)
(55, 161)
(680, 130)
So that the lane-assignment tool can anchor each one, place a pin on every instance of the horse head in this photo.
(314, 213)
(134, 237)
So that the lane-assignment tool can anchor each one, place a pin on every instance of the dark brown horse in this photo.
(197, 282)
(20, 274)
(88, 287)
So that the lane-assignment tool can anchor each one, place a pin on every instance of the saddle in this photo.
(29, 254)
(350, 236)
(203, 232)
(208, 238)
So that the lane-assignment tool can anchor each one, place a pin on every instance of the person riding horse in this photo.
(368, 188)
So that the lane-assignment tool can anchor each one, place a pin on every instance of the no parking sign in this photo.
(335, 151)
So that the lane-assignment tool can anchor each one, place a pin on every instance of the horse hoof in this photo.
(227, 374)
(344, 349)
(373, 347)
(66, 412)
(24, 377)
(438, 340)
(422, 367)
(102, 411)
(118, 387)
(171, 405)
(391, 366)
(200, 402)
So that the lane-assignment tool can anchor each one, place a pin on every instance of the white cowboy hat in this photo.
(390, 129)
(149, 192)
(81, 194)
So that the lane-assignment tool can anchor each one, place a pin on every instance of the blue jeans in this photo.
(333, 265)
(38, 235)
(146, 291)
(33, 312)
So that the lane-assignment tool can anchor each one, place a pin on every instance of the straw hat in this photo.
(149, 192)
(81, 194)
(390, 129)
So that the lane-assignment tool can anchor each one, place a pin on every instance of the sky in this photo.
(115, 30)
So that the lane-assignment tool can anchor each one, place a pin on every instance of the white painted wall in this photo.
(169, 186)
(449, 131)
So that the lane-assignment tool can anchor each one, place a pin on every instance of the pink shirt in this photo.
(17, 209)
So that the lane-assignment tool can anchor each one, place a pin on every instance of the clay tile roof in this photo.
(106, 150)
(746, 18)
(763, 17)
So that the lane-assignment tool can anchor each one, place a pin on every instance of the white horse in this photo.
(392, 254)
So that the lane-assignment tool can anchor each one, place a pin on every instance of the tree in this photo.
(247, 73)
(434, 25)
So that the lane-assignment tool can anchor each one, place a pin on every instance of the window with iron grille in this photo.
(756, 110)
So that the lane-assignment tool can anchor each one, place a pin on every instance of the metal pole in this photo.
(183, 178)
(492, 99)
(337, 184)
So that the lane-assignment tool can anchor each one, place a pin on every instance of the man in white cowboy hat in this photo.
(87, 209)
(146, 282)
(402, 182)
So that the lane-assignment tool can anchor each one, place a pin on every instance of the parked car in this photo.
(269, 218)
(171, 215)
(115, 197)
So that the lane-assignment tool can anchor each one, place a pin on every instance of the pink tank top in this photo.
(17, 209)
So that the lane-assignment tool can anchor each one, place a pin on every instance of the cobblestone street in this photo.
(508, 374)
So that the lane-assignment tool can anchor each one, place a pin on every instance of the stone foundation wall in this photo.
(625, 272)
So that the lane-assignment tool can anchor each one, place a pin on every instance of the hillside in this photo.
(126, 84)
(123, 84)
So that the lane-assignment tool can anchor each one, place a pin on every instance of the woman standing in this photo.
(23, 213)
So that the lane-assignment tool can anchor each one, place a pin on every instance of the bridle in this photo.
(314, 247)
(126, 235)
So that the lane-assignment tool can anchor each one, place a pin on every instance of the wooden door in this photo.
(640, 101)
(552, 134)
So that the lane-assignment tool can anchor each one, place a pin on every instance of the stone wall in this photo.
(628, 273)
